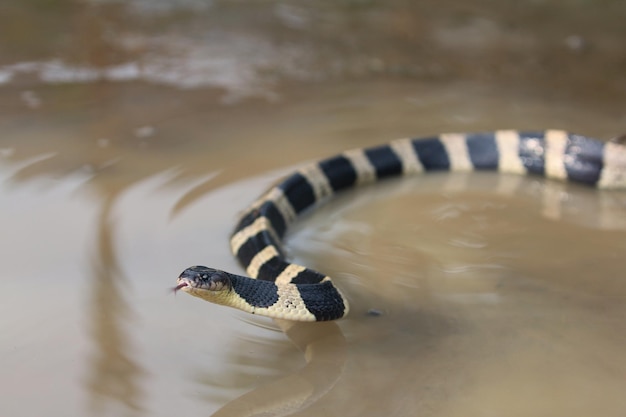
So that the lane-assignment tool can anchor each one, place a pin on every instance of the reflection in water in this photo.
(113, 377)
(324, 348)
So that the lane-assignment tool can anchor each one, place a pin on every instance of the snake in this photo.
(280, 289)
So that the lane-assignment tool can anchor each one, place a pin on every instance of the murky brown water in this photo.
(133, 133)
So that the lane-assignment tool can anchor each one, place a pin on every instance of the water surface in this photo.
(133, 133)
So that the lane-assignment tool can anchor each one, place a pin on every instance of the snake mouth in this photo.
(180, 286)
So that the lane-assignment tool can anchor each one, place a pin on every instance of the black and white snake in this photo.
(280, 289)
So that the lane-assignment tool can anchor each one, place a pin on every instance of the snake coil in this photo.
(280, 289)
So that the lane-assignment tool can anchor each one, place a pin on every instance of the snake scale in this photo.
(280, 289)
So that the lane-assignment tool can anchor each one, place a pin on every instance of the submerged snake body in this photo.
(280, 289)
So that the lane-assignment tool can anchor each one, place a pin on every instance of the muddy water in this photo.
(134, 132)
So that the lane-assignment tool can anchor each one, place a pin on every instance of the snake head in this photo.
(203, 278)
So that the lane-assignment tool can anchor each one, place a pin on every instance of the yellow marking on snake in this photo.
(259, 225)
(458, 155)
(259, 260)
(276, 196)
(508, 150)
(289, 273)
(614, 172)
(318, 180)
(404, 150)
(364, 170)
(556, 141)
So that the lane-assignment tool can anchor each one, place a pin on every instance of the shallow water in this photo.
(134, 132)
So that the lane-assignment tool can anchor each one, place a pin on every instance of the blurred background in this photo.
(132, 133)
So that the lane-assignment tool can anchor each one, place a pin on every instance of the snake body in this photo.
(280, 289)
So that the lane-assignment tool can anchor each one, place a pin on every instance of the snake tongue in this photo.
(179, 286)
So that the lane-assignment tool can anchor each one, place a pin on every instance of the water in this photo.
(134, 133)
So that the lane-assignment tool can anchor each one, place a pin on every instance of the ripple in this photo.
(464, 268)
(469, 243)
